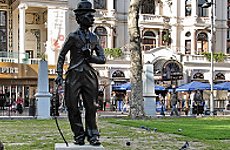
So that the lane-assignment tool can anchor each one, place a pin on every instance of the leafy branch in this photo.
(113, 52)
(217, 57)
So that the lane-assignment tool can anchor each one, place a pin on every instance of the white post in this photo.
(149, 90)
(43, 95)
(22, 8)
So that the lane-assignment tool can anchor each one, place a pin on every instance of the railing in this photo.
(194, 58)
(33, 60)
(102, 13)
(12, 57)
(153, 18)
(199, 58)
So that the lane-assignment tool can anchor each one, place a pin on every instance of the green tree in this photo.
(137, 104)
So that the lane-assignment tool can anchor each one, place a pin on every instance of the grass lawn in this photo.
(215, 131)
(202, 133)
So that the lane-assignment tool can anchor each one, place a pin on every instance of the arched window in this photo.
(198, 76)
(102, 34)
(100, 4)
(172, 70)
(149, 40)
(3, 31)
(219, 76)
(118, 73)
(202, 43)
(148, 6)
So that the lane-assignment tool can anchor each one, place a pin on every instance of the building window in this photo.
(187, 46)
(228, 34)
(102, 34)
(202, 12)
(228, 10)
(3, 30)
(228, 50)
(148, 6)
(202, 43)
(149, 40)
(187, 43)
(100, 4)
(188, 8)
(115, 4)
(30, 53)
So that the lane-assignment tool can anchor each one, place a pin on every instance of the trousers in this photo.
(82, 84)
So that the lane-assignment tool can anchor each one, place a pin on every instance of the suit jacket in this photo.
(75, 42)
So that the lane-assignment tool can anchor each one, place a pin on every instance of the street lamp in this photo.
(212, 5)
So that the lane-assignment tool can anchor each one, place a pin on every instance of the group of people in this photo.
(195, 103)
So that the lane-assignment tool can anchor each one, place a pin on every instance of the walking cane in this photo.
(55, 116)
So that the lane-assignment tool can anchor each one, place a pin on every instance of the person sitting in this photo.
(19, 103)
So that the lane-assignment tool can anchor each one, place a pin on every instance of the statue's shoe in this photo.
(94, 141)
(79, 142)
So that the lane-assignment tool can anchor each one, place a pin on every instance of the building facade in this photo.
(175, 38)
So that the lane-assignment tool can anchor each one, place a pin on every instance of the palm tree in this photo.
(137, 104)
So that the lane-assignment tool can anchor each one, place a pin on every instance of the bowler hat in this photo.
(84, 5)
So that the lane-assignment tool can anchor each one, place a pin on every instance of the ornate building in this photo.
(175, 38)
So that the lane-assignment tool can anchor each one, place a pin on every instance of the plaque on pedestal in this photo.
(72, 146)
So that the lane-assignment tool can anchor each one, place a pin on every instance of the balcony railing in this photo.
(199, 58)
(12, 57)
(103, 13)
(154, 18)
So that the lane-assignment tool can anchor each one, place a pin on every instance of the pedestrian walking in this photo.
(174, 104)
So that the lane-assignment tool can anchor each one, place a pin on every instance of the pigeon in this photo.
(185, 146)
(142, 127)
(179, 130)
(128, 143)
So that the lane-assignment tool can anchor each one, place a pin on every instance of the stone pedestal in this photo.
(43, 95)
(149, 91)
(150, 105)
(72, 146)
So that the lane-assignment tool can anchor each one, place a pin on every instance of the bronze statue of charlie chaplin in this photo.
(81, 79)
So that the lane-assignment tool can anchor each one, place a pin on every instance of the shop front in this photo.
(20, 80)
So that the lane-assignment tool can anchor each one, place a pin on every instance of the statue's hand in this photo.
(59, 80)
(86, 52)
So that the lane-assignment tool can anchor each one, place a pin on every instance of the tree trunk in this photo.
(136, 108)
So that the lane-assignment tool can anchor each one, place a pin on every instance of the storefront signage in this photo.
(8, 70)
